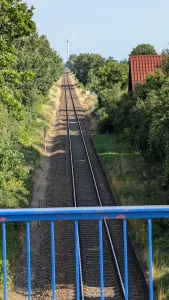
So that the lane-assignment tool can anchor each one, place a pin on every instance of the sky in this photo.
(108, 27)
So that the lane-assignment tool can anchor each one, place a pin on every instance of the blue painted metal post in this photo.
(81, 278)
(125, 259)
(28, 259)
(77, 261)
(101, 260)
(52, 225)
(4, 259)
(150, 253)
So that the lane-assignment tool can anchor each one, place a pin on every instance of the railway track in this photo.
(88, 190)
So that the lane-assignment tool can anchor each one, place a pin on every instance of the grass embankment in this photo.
(36, 150)
(136, 183)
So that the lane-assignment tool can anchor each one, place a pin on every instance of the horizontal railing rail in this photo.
(76, 214)
(84, 213)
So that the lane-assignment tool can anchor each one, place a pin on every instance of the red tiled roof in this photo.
(143, 65)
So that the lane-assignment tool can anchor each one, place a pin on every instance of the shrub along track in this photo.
(59, 193)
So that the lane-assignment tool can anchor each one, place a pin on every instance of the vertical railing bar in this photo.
(52, 225)
(150, 254)
(4, 259)
(81, 279)
(101, 260)
(28, 259)
(77, 261)
(125, 259)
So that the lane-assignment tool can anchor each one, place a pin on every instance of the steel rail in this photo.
(97, 192)
(73, 184)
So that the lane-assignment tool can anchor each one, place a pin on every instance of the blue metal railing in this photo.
(76, 214)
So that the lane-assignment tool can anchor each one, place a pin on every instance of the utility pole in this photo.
(68, 47)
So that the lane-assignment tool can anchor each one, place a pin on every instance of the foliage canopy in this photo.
(144, 49)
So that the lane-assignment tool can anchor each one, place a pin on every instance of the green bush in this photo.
(104, 122)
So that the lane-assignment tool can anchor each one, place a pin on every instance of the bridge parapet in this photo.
(77, 214)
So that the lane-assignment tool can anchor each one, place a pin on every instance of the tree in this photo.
(15, 21)
(83, 63)
(28, 69)
(71, 64)
(35, 54)
(144, 49)
(165, 64)
(113, 73)
(109, 99)
(110, 58)
(92, 81)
